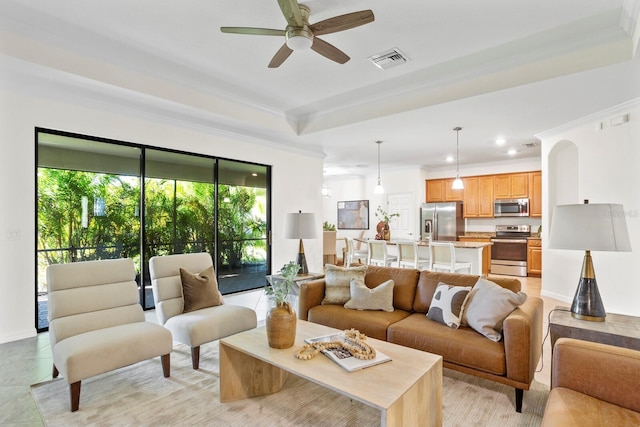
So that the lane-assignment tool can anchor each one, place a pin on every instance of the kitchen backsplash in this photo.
(489, 224)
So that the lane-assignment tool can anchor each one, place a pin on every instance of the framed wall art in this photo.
(353, 215)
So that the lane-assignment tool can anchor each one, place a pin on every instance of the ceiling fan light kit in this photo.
(299, 35)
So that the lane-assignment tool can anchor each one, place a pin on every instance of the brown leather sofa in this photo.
(593, 384)
(510, 361)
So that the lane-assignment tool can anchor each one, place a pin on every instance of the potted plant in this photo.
(281, 319)
(382, 229)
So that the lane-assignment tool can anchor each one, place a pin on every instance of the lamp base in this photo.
(302, 260)
(587, 304)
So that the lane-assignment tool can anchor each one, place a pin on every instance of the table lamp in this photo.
(300, 226)
(589, 227)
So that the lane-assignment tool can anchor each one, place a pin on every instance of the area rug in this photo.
(139, 395)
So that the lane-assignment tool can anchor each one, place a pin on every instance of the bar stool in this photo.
(408, 256)
(378, 254)
(443, 257)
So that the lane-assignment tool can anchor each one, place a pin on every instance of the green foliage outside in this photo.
(179, 219)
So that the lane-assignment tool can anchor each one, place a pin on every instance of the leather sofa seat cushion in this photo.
(404, 283)
(566, 407)
(373, 324)
(462, 346)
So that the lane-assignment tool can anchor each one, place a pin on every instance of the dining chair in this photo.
(378, 254)
(409, 256)
(354, 254)
(443, 257)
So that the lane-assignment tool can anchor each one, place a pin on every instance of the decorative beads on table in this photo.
(354, 343)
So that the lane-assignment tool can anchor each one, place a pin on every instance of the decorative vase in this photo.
(281, 326)
(383, 231)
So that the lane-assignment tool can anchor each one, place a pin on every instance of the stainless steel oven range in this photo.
(509, 250)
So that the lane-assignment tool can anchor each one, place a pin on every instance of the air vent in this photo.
(389, 59)
(533, 144)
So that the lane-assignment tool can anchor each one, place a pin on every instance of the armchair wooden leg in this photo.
(55, 372)
(74, 393)
(166, 364)
(195, 357)
(519, 395)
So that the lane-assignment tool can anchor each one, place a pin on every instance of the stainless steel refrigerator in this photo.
(441, 221)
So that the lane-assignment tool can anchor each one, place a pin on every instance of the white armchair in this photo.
(197, 327)
(96, 324)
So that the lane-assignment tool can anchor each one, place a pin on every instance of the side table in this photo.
(617, 329)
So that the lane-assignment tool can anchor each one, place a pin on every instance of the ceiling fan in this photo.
(299, 35)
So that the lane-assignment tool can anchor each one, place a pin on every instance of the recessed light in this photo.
(512, 151)
(500, 141)
(449, 158)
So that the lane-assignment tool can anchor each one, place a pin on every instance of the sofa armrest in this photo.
(606, 372)
(311, 294)
(522, 331)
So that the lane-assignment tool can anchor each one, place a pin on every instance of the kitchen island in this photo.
(465, 252)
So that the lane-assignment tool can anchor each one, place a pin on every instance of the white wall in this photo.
(605, 170)
(362, 188)
(296, 185)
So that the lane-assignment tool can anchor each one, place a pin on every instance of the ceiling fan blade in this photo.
(253, 31)
(342, 22)
(281, 55)
(291, 11)
(329, 51)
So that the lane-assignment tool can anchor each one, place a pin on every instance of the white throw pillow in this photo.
(378, 298)
(447, 303)
(487, 305)
(337, 281)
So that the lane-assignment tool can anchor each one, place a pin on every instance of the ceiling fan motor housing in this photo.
(299, 38)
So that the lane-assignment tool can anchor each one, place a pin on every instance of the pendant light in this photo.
(457, 183)
(379, 189)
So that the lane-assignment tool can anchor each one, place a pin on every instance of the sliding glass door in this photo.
(243, 254)
(99, 199)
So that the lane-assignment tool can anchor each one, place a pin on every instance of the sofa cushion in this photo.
(377, 298)
(404, 283)
(428, 283)
(337, 281)
(373, 324)
(446, 305)
(462, 346)
(487, 305)
(200, 290)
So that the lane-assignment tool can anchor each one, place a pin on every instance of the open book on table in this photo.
(343, 357)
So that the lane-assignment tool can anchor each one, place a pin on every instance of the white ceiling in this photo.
(497, 68)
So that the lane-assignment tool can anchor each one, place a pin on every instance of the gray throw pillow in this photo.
(337, 281)
(447, 303)
(378, 298)
(487, 305)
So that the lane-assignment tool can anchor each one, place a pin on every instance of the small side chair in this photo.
(198, 327)
(96, 324)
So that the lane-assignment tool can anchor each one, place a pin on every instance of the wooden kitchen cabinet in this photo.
(535, 194)
(478, 197)
(439, 190)
(534, 257)
(511, 186)
(486, 251)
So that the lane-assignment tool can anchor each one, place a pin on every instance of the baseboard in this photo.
(15, 336)
(558, 297)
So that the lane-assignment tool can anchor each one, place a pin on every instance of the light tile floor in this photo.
(28, 361)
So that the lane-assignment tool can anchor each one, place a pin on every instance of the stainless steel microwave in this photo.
(511, 207)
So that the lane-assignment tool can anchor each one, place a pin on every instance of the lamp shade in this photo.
(589, 226)
(300, 226)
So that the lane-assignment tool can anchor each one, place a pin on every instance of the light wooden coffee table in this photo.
(407, 390)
